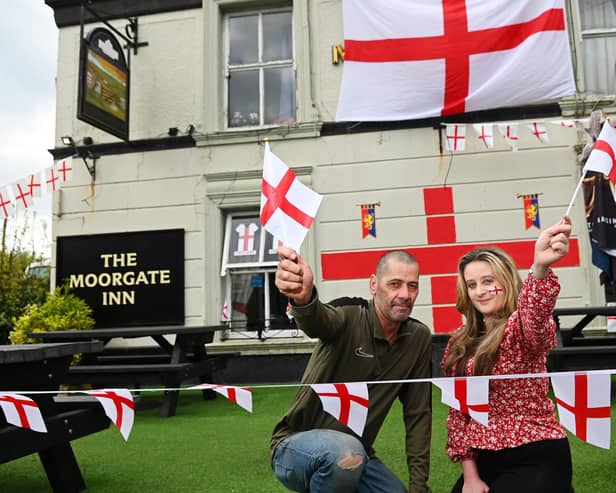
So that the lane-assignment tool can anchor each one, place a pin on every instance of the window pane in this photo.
(598, 14)
(243, 40)
(244, 98)
(240, 294)
(271, 244)
(248, 304)
(245, 235)
(279, 105)
(599, 65)
(277, 39)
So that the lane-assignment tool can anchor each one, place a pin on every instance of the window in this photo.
(260, 70)
(256, 307)
(598, 20)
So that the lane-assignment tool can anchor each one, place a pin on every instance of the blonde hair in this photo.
(473, 338)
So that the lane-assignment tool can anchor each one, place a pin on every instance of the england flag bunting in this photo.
(52, 179)
(225, 316)
(583, 402)
(469, 396)
(410, 59)
(288, 311)
(602, 158)
(23, 412)
(238, 395)
(347, 402)
(7, 205)
(484, 134)
(288, 207)
(21, 192)
(119, 408)
(35, 183)
(538, 130)
(565, 123)
(509, 131)
(64, 169)
(456, 136)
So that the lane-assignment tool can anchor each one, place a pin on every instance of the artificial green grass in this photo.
(215, 446)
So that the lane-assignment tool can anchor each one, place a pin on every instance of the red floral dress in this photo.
(520, 411)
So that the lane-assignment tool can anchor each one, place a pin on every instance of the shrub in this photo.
(61, 310)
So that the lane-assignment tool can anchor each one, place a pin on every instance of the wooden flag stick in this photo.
(577, 189)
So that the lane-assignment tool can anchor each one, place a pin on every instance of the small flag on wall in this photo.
(368, 219)
(531, 210)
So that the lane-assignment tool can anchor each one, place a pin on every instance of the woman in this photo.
(509, 329)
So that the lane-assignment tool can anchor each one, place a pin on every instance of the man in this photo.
(310, 450)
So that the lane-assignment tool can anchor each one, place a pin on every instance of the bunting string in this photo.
(583, 400)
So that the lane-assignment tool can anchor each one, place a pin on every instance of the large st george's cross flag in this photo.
(409, 59)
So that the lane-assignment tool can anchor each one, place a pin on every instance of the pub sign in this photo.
(104, 82)
(128, 279)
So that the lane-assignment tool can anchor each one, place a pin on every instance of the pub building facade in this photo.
(207, 84)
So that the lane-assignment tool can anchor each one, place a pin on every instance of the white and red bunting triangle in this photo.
(52, 179)
(119, 408)
(565, 123)
(23, 412)
(468, 395)
(288, 311)
(485, 134)
(35, 183)
(583, 402)
(64, 169)
(509, 131)
(238, 395)
(225, 315)
(21, 192)
(347, 402)
(538, 130)
(456, 136)
(7, 204)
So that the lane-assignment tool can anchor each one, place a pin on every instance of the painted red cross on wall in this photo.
(455, 46)
(438, 259)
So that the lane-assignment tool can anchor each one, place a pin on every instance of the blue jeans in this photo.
(327, 461)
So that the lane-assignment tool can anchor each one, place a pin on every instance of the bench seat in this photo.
(61, 428)
(572, 358)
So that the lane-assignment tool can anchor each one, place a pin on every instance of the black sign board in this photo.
(104, 83)
(128, 279)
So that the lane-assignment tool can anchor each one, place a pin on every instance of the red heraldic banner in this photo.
(531, 211)
(368, 220)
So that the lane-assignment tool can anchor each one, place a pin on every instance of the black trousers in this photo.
(537, 467)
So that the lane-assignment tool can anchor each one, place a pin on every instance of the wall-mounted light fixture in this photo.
(173, 131)
(83, 153)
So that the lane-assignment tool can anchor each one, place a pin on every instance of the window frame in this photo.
(260, 65)
(588, 34)
(265, 267)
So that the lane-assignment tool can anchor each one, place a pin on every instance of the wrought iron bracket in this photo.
(131, 29)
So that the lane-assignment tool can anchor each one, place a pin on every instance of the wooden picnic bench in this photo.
(577, 350)
(42, 367)
(166, 364)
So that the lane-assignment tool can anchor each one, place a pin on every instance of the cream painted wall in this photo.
(194, 188)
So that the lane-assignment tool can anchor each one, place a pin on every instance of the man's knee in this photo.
(351, 461)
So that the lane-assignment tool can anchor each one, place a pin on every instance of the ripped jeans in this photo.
(328, 461)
